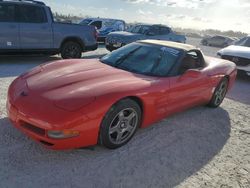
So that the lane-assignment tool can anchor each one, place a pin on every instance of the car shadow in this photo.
(163, 155)
(241, 89)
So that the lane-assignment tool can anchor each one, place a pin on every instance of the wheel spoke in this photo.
(121, 116)
(113, 129)
(218, 99)
(130, 128)
(221, 87)
(131, 116)
(119, 136)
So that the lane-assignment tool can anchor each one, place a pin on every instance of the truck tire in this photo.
(71, 50)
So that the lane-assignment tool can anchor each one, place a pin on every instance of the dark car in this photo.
(217, 41)
(116, 40)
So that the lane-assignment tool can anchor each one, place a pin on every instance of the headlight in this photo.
(62, 134)
(73, 104)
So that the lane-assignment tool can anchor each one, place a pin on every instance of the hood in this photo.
(239, 51)
(82, 79)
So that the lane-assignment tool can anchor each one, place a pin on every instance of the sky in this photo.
(195, 14)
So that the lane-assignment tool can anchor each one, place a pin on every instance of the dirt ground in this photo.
(201, 147)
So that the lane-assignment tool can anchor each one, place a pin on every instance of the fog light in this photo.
(62, 134)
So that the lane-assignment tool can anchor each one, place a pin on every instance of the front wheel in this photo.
(120, 124)
(71, 50)
(219, 93)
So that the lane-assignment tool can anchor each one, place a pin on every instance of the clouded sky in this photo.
(196, 14)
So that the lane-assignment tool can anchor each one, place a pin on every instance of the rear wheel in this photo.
(120, 124)
(71, 50)
(219, 93)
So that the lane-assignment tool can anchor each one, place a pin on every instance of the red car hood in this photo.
(81, 79)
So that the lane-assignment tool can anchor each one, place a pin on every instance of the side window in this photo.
(214, 39)
(136, 29)
(32, 14)
(192, 60)
(144, 30)
(218, 38)
(7, 13)
(98, 24)
(121, 26)
(154, 31)
(247, 43)
(85, 21)
(164, 31)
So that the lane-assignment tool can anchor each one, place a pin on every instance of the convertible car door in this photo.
(188, 89)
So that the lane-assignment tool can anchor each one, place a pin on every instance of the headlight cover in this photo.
(73, 104)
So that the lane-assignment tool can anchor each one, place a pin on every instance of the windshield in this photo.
(109, 23)
(143, 59)
(85, 22)
(243, 42)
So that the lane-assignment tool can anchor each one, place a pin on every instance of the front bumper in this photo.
(113, 46)
(37, 130)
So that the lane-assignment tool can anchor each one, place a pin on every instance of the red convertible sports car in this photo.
(78, 103)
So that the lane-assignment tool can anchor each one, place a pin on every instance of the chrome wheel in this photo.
(123, 126)
(220, 93)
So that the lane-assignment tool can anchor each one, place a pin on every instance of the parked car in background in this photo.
(29, 27)
(239, 53)
(104, 26)
(116, 40)
(217, 41)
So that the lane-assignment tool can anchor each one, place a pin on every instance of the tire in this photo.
(219, 93)
(71, 50)
(120, 124)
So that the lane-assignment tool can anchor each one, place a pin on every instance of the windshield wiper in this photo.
(123, 58)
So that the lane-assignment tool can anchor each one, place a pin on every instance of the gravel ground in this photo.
(201, 147)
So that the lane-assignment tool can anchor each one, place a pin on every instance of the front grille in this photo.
(237, 60)
(33, 128)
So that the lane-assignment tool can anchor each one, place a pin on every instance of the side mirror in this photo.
(192, 73)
